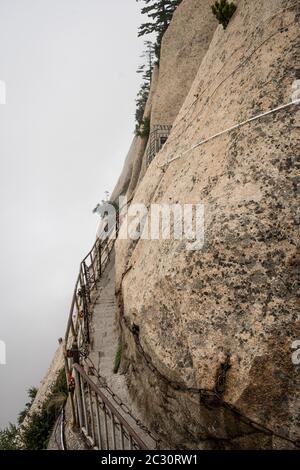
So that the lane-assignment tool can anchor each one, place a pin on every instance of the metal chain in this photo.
(205, 394)
(118, 400)
(257, 29)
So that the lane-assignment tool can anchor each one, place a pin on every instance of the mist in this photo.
(69, 70)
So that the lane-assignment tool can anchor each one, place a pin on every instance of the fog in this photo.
(69, 69)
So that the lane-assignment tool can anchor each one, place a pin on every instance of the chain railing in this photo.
(149, 436)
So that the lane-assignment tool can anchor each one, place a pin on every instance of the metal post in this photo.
(79, 399)
(86, 320)
(82, 392)
(113, 432)
(100, 258)
(122, 436)
(92, 415)
(105, 427)
(87, 281)
(93, 268)
(100, 445)
(68, 375)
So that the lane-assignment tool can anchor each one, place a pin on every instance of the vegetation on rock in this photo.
(146, 70)
(223, 11)
(160, 13)
(35, 434)
(8, 438)
(117, 361)
(31, 395)
(143, 130)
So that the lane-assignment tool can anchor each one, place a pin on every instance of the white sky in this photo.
(69, 68)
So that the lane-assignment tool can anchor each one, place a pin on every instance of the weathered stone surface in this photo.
(184, 45)
(125, 177)
(207, 334)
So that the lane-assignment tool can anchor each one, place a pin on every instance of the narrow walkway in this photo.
(73, 440)
(104, 344)
(103, 327)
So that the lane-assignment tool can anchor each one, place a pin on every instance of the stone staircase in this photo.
(99, 403)
(104, 335)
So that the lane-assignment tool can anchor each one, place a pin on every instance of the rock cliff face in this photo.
(184, 46)
(207, 334)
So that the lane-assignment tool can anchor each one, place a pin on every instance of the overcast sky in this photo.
(69, 68)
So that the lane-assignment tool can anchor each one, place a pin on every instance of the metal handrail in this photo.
(93, 412)
(103, 424)
(155, 144)
(77, 335)
(90, 271)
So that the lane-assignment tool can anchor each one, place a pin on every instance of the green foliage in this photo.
(160, 13)
(8, 438)
(117, 361)
(146, 70)
(223, 10)
(143, 129)
(59, 393)
(35, 435)
(31, 392)
(141, 103)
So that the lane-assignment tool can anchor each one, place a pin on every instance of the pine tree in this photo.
(160, 12)
(31, 392)
(8, 438)
(146, 69)
(223, 11)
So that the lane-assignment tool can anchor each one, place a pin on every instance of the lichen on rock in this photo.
(211, 364)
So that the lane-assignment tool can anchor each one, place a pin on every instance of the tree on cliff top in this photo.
(146, 69)
(160, 13)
